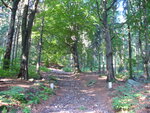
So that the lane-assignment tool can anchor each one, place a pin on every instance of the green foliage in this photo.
(44, 69)
(122, 75)
(122, 103)
(82, 108)
(7, 73)
(67, 69)
(127, 98)
(46, 90)
(25, 96)
(52, 78)
(13, 91)
(32, 71)
(14, 70)
(26, 110)
(4, 110)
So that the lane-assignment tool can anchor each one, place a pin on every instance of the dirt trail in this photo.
(74, 96)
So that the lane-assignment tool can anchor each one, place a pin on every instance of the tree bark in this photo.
(7, 54)
(17, 39)
(109, 52)
(40, 48)
(130, 53)
(27, 23)
(145, 52)
(75, 57)
(99, 63)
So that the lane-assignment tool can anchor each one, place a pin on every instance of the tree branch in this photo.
(6, 5)
(114, 1)
(98, 10)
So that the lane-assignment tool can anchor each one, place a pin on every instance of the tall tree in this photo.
(27, 23)
(108, 40)
(40, 46)
(10, 35)
(144, 42)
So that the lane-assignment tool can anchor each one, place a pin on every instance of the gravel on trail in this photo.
(75, 97)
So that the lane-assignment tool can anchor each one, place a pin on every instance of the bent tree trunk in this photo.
(27, 23)
(7, 54)
(75, 58)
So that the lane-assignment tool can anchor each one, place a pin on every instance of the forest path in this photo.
(74, 96)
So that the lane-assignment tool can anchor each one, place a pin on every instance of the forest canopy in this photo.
(109, 37)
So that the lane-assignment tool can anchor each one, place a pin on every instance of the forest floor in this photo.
(75, 94)
(82, 93)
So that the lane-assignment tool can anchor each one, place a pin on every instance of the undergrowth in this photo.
(21, 98)
(126, 99)
(14, 70)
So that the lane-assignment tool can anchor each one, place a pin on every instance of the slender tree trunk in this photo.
(115, 64)
(7, 55)
(40, 48)
(130, 53)
(13, 47)
(17, 40)
(103, 63)
(99, 62)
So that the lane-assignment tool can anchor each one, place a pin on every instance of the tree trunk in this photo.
(130, 53)
(146, 69)
(109, 52)
(40, 48)
(24, 56)
(103, 63)
(26, 35)
(7, 55)
(145, 53)
(17, 39)
(99, 62)
(75, 57)
(13, 47)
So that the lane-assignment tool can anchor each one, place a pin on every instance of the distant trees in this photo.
(80, 35)
(70, 22)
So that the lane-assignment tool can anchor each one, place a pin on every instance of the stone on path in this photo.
(133, 83)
